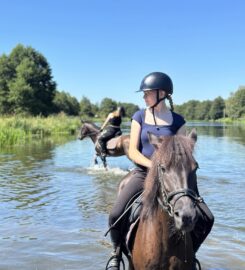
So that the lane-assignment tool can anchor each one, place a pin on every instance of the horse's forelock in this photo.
(174, 150)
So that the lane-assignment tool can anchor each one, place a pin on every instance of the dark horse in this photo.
(163, 240)
(115, 147)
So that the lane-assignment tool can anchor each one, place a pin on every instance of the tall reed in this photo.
(17, 130)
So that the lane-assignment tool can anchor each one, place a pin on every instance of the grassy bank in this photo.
(239, 121)
(17, 130)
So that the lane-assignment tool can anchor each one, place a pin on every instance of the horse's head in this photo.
(87, 129)
(175, 173)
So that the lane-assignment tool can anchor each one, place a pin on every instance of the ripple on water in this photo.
(100, 170)
(55, 205)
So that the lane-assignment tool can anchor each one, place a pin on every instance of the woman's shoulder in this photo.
(177, 115)
(139, 115)
(178, 119)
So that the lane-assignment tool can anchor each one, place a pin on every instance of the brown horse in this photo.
(163, 240)
(115, 147)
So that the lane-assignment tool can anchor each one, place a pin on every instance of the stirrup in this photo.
(196, 264)
(114, 262)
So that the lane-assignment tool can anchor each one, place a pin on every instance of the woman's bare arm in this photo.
(107, 120)
(134, 153)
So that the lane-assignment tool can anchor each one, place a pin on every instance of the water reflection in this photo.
(23, 169)
(55, 204)
(233, 132)
(100, 191)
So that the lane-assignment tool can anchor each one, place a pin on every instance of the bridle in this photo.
(166, 197)
(91, 133)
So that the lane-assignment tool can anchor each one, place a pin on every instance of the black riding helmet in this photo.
(157, 81)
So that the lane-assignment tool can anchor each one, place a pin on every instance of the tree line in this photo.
(233, 107)
(27, 87)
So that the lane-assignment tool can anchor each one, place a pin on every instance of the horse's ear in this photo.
(154, 140)
(193, 135)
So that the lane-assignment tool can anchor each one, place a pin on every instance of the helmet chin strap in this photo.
(153, 107)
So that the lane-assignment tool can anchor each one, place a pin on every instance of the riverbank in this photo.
(16, 130)
(239, 121)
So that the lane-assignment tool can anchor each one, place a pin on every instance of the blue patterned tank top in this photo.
(165, 130)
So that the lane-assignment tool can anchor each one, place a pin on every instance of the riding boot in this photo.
(114, 261)
(203, 225)
(102, 146)
(103, 151)
(202, 228)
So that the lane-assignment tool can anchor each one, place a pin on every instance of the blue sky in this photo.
(103, 48)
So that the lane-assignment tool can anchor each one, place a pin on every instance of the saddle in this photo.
(131, 222)
(111, 144)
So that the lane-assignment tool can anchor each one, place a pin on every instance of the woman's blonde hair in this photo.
(169, 98)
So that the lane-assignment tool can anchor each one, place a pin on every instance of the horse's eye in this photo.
(162, 168)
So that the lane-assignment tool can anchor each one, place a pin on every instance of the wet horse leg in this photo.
(103, 159)
(95, 159)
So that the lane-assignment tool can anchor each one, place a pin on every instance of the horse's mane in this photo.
(91, 123)
(173, 151)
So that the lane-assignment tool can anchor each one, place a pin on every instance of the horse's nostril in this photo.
(176, 214)
(187, 220)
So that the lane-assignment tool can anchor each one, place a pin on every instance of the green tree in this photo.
(189, 109)
(95, 109)
(30, 88)
(235, 104)
(217, 108)
(107, 105)
(5, 77)
(74, 105)
(64, 102)
(130, 108)
(86, 107)
(202, 112)
(180, 109)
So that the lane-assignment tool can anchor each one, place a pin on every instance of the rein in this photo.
(92, 133)
(165, 203)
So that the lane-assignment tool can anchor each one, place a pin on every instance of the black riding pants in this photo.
(135, 183)
(203, 225)
(106, 135)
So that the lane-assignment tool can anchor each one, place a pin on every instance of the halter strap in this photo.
(165, 203)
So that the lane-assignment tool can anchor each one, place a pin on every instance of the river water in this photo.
(54, 203)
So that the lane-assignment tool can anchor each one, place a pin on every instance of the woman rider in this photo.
(110, 128)
(159, 120)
